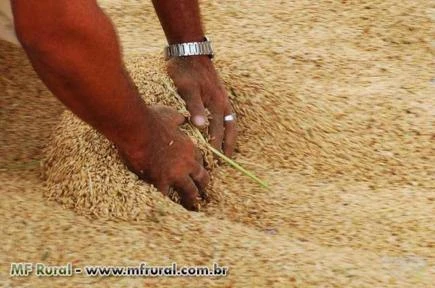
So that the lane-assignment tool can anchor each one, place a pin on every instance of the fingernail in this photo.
(198, 120)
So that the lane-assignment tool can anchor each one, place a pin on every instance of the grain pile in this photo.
(84, 172)
(337, 115)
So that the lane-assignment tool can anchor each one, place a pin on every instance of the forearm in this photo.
(76, 53)
(181, 20)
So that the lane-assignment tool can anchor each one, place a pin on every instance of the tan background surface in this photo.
(354, 190)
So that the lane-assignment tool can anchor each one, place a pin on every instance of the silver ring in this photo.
(230, 117)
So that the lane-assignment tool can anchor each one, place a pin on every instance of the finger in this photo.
(230, 133)
(178, 118)
(170, 113)
(216, 129)
(201, 177)
(195, 107)
(163, 187)
(198, 157)
(188, 192)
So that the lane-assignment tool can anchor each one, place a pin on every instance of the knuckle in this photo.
(218, 100)
(219, 104)
(200, 173)
(192, 165)
(175, 172)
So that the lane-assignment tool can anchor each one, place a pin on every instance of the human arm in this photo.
(73, 48)
(195, 77)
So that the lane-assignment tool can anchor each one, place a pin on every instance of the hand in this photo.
(168, 158)
(199, 85)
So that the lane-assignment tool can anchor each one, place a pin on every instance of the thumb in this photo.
(170, 114)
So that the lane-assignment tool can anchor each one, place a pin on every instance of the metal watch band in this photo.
(189, 49)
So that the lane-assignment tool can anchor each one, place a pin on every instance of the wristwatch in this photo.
(189, 49)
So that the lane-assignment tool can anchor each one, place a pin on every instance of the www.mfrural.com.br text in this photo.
(140, 270)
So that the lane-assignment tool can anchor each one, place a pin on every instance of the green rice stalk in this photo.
(230, 161)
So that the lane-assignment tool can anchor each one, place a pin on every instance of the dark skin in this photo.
(195, 77)
(74, 49)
